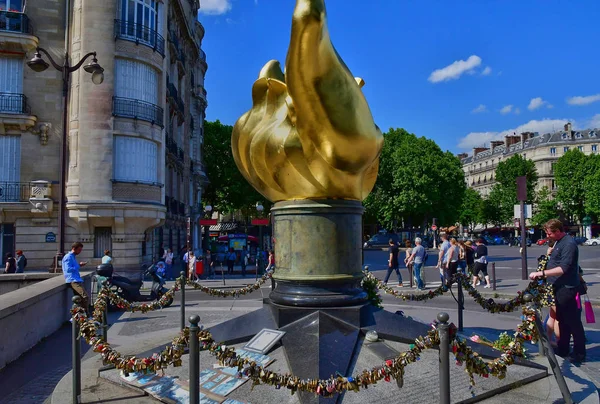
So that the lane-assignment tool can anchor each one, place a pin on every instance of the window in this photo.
(140, 14)
(524, 155)
(580, 148)
(553, 185)
(592, 133)
(564, 136)
(11, 5)
(11, 84)
(136, 81)
(578, 135)
(10, 159)
(553, 151)
(135, 160)
(102, 240)
(566, 149)
(594, 148)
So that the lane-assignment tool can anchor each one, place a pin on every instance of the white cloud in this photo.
(538, 102)
(594, 122)
(215, 7)
(579, 100)
(486, 71)
(542, 126)
(479, 109)
(507, 109)
(517, 111)
(455, 70)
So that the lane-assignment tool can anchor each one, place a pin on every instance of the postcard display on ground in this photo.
(215, 383)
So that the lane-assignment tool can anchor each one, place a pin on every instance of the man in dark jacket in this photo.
(563, 264)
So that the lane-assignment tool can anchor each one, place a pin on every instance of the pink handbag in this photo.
(590, 318)
(578, 300)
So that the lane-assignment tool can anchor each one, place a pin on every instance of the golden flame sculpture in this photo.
(310, 133)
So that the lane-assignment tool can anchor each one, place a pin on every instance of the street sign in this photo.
(260, 222)
(208, 222)
(50, 237)
(517, 211)
(433, 227)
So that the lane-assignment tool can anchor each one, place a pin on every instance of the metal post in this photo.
(523, 243)
(194, 360)
(461, 305)
(182, 310)
(547, 350)
(493, 276)
(443, 329)
(76, 354)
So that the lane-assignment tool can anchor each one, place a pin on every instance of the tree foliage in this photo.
(471, 211)
(228, 190)
(417, 181)
(592, 187)
(570, 173)
(545, 208)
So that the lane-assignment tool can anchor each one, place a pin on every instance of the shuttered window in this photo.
(11, 75)
(102, 241)
(10, 158)
(135, 159)
(136, 80)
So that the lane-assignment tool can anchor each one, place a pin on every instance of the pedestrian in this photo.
(452, 261)
(107, 259)
(552, 328)
(469, 257)
(480, 264)
(245, 257)
(21, 262)
(443, 256)
(393, 264)
(231, 257)
(168, 259)
(563, 263)
(70, 268)
(271, 265)
(208, 263)
(11, 264)
(407, 262)
(417, 259)
(462, 257)
(190, 260)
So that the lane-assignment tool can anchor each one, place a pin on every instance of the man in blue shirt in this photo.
(70, 268)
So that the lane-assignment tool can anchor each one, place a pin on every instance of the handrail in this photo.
(140, 33)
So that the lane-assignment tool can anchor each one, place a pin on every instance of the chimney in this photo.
(525, 136)
(477, 150)
(496, 143)
(462, 156)
(568, 128)
(511, 139)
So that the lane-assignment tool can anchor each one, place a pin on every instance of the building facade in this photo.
(544, 150)
(135, 171)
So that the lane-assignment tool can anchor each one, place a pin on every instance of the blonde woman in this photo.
(452, 260)
(191, 264)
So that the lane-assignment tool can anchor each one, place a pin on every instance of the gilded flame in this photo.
(310, 133)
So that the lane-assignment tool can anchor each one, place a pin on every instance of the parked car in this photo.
(543, 241)
(593, 241)
(381, 240)
(580, 240)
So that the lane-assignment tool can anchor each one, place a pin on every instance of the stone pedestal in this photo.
(318, 253)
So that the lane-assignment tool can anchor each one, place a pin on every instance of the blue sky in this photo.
(459, 72)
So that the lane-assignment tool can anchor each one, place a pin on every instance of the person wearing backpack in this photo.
(417, 259)
(21, 262)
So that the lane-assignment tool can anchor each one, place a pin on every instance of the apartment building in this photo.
(543, 150)
(135, 172)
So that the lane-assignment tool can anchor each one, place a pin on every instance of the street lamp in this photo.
(38, 64)
(207, 210)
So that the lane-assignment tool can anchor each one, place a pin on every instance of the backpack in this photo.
(24, 262)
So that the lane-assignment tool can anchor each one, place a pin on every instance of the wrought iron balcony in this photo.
(140, 33)
(15, 21)
(15, 191)
(13, 103)
(136, 109)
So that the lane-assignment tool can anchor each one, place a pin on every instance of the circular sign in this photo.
(433, 227)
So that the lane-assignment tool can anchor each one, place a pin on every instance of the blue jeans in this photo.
(417, 271)
(389, 272)
(463, 266)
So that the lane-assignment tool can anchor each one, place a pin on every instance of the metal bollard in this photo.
(182, 309)
(194, 360)
(76, 355)
(461, 304)
(548, 351)
(443, 329)
(493, 276)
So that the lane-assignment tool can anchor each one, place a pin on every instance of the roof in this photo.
(536, 141)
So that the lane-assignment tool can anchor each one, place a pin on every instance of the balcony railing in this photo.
(12, 103)
(171, 145)
(136, 109)
(15, 191)
(14, 21)
(140, 33)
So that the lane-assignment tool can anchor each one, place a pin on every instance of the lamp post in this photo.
(207, 211)
(259, 208)
(38, 64)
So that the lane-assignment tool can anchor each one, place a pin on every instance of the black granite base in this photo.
(320, 342)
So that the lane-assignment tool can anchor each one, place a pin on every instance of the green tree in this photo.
(592, 186)
(545, 207)
(498, 206)
(471, 211)
(417, 181)
(570, 173)
(228, 190)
